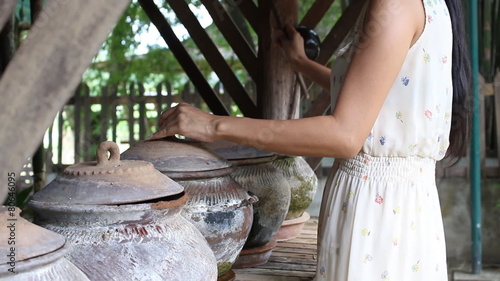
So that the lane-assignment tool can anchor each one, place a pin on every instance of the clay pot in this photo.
(303, 184)
(218, 206)
(256, 174)
(37, 256)
(123, 221)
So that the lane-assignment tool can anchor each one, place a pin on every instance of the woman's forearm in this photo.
(315, 136)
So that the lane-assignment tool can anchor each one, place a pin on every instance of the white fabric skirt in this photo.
(381, 220)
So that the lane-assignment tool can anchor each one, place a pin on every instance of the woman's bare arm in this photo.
(373, 70)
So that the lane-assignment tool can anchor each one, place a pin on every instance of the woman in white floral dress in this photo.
(399, 86)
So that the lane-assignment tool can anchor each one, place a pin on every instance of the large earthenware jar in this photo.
(30, 252)
(303, 184)
(256, 173)
(122, 219)
(218, 206)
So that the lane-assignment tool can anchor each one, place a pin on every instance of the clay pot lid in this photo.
(233, 151)
(176, 157)
(30, 240)
(109, 181)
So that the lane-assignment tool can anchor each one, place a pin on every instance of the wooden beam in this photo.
(6, 10)
(114, 117)
(496, 88)
(340, 30)
(187, 63)
(87, 132)
(131, 119)
(211, 53)
(276, 90)
(316, 13)
(241, 47)
(61, 46)
(251, 13)
(78, 121)
(320, 105)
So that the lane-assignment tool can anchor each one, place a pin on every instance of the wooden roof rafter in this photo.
(251, 13)
(213, 56)
(208, 48)
(241, 47)
(175, 45)
(340, 30)
(316, 13)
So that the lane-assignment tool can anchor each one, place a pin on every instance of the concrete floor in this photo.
(487, 274)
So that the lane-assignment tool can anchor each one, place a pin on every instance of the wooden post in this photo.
(60, 128)
(104, 113)
(78, 122)
(497, 113)
(38, 160)
(114, 118)
(87, 117)
(61, 44)
(482, 137)
(143, 119)
(275, 88)
(131, 120)
(159, 103)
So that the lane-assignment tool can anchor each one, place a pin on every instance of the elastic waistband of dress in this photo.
(396, 168)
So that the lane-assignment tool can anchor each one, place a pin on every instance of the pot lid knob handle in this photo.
(102, 154)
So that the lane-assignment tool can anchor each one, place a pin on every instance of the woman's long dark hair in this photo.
(461, 74)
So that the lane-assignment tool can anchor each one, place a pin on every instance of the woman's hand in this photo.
(188, 121)
(293, 46)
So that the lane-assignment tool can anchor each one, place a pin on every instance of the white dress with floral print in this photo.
(380, 217)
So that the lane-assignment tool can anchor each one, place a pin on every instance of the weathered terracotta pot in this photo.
(256, 174)
(218, 206)
(123, 221)
(32, 252)
(303, 184)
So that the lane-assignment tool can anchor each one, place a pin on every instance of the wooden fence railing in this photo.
(128, 112)
(122, 113)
